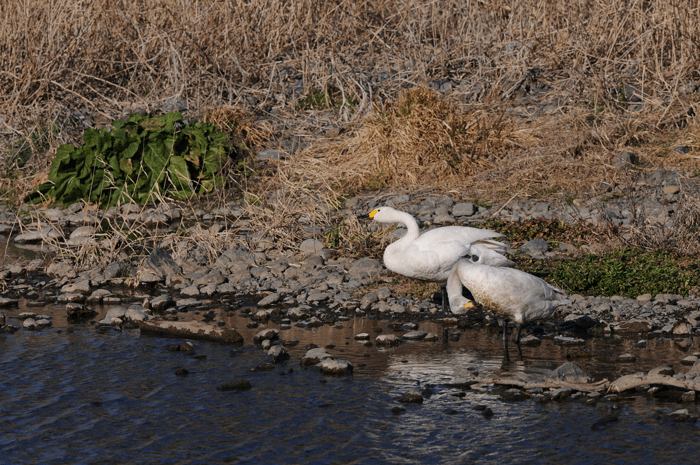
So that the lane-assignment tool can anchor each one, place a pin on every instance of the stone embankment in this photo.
(306, 287)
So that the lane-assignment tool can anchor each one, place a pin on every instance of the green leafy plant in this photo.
(139, 160)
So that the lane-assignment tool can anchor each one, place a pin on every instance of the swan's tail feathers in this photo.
(493, 245)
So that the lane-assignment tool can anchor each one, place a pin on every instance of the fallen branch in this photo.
(545, 383)
(640, 379)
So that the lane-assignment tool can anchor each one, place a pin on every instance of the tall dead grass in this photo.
(542, 94)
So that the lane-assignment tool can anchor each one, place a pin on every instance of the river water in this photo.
(73, 394)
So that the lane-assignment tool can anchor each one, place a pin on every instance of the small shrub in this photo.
(138, 161)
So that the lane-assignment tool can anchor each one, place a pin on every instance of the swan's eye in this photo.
(475, 258)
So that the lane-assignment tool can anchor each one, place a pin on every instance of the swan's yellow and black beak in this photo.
(368, 216)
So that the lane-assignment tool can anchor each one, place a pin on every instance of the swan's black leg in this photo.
(517, 341)
(505, 339)
(517, 334)
(445, 299)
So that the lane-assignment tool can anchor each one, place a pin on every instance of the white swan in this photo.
(430, 256)
(511, 293)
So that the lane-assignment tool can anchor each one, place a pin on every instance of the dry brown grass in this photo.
(543, 94)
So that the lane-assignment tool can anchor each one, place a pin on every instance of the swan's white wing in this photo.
(462, 234)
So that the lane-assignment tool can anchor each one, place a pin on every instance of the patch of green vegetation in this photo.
(625, 272)
(570, 199)
(482, 203)
(139, 160)
(553, 231)
(376, 182)
(318, 99)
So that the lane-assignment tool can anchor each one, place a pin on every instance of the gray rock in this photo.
(311, 247)
(83, 235)
(136, 314)
(317, 297)
(561, 393)
(387, 340)
(415, 335)
(668, 298)
(115, 315)
(314, 356)
(29, 323)
(235, 257)
(79, 287)
(535, 245)
(240, 385)
(665, 370)
(98, 296)
(335, 367)
(268, 334)
(79, 311)
(162, 302)
(190, 291)
(270, 300)
(6, 302)
(278, 354)
(530, 341)
(70, 297)
(411, 397)
(117, 270)
(568, 372)
(61, 270)
(625, 160)
(269, 154)
(213, 277)
(158, 266)
(680, 415)
(365, 268)
(464, 209)
(41, 235)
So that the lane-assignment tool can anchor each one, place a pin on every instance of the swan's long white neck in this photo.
(411, 235)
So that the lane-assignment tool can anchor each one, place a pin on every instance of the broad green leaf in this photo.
(172, 117)
(61, 161)
(91, 137)
(179, 176)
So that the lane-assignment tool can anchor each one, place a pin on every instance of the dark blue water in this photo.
(86, 397)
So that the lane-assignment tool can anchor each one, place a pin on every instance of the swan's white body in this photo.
(511, 293)
(432, 255)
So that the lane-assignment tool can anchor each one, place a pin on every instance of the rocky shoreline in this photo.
(185, 292)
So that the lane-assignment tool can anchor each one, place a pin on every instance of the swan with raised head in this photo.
(431, 255)
(511, 293)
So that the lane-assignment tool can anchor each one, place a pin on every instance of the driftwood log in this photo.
(545, 383)
(641, 379)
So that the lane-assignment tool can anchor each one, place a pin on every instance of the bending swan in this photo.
(430, 256)
(511, 293)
